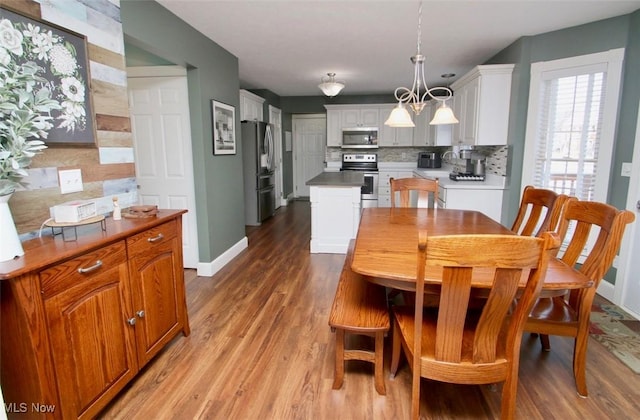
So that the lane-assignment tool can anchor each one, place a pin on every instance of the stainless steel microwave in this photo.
(360, 138)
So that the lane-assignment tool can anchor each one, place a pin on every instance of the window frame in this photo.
(613, 60)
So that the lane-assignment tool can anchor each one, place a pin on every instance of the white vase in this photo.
(10, 245)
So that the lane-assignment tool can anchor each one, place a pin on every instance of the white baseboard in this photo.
(606, 290)
(211, 268)
(284, 201)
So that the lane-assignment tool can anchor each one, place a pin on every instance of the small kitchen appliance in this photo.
(473, 168)
(429, 160)
(367, 163)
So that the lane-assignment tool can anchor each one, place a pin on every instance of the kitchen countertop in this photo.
(491, 182)
(338, 179)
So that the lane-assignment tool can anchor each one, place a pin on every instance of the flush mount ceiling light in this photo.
(419, 94)
(330, 86)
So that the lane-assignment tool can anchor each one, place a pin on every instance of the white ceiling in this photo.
(286, 46)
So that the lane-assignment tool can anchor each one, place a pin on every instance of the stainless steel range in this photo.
(367, 163)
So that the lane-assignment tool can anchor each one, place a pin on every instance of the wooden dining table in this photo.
(387, 244)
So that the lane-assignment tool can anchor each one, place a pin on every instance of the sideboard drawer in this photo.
(69, 273)
(147, 240)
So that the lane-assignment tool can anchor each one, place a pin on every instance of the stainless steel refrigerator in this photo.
(259, 180)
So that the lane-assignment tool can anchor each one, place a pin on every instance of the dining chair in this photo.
(540, 211)
(458, 343)
(568, 315)
(404, 186)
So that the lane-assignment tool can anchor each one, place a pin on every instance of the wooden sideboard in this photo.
(80, 318)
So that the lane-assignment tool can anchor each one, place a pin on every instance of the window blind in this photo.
(569, 130)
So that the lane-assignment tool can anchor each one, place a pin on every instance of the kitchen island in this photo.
(335, 210)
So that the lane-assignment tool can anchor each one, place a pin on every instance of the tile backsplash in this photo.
(496, 156)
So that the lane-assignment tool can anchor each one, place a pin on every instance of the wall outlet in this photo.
(626, 169)
(70, 181)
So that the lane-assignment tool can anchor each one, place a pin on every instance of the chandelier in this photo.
(330, 86)
(419, 94)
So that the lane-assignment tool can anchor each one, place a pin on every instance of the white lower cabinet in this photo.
(487, 201)
(384, 188)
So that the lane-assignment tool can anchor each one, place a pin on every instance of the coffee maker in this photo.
(466, 155)
(474, 168)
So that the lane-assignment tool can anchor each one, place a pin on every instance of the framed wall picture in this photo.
(51, 62)
(224, 131)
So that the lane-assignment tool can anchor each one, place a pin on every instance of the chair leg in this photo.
(338, 375)
(544, 341)
(415, 393)
(508, 403)
(379, 363)
(580, 362)
(395, 351)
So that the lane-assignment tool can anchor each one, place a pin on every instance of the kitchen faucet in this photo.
(444, 155)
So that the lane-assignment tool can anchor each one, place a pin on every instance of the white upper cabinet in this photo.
(392, 136)
(360, 117)
(481, 103)
(251, 106)
(349, 116)
(425, 134)
(334, 129)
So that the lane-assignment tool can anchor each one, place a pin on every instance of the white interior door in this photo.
(630, 250)
(162, 144)
(310, 139)
(275, 118)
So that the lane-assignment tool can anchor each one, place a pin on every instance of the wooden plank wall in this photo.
(108, 169)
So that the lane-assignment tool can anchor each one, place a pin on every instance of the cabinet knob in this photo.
(140, 314)
(131, 321)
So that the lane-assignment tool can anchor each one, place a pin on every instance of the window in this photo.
(571, 124)
(573, 105)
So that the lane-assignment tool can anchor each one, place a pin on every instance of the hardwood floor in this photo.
(261, 348)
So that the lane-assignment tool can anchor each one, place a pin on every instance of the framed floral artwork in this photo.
(224, 133)
(44, 82)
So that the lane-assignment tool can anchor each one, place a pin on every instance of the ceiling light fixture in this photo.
(330, 86)
(419, 94)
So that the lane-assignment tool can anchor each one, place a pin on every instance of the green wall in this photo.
(618, 32)
(212, 73)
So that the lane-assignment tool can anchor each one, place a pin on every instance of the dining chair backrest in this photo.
(578, 220)
(568, 315)
(459, 344)
(404, 186)
(540, 210)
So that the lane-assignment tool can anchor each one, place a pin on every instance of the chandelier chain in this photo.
(419, 26)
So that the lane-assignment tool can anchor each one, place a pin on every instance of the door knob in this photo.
(131, 321)
(140, 314)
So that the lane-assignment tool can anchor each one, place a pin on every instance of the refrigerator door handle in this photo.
(269, 143)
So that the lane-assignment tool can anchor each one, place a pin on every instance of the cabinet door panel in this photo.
(155, 276)
(350, 118)
(91, 342)
(370, 117)
(470, 111)
(334, 130)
